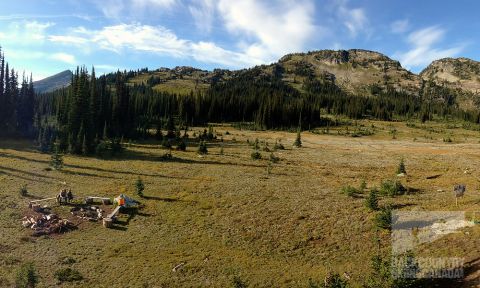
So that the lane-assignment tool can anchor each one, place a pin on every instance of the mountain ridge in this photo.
(54, 82)
(356, 71)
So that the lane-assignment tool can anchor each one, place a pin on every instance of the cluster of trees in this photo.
(94, 109)
(16, 102)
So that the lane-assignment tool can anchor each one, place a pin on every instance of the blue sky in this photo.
(48, 36)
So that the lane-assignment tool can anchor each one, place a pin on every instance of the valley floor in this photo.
(226, 218)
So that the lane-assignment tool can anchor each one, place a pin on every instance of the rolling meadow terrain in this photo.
(224, 219)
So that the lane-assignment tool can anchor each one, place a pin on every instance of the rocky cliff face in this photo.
(461, 73)
(356, 71)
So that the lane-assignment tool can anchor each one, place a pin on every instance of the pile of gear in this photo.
(90, 213)
(47, 224)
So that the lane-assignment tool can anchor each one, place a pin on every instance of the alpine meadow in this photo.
(298, 162)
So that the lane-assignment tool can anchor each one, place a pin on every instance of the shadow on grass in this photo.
(156, 198)
(412, 191)
(24, 178)
(116, 171)
(33, 197)
(141, 156)
(70, 172)
(119, 228)
(167, 199)
(400, 206)
(31, 174)
(17, 157)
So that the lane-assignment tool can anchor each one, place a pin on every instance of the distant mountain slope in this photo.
(355, 71)
(54, 82)
(458, 74)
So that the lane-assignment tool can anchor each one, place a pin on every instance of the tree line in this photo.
(92, 109)
(17, 100)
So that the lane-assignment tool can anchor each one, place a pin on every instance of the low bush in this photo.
(68, 275)
(401, 168)
(273, 158)
(256, 155)
(182, 146)
(237, 282)
(202, 148)
(372, 200)
(23, 190)
(334, 280)
(278, 146)
(392, 188)
(383, 219)
(350, 190)
(27, 276)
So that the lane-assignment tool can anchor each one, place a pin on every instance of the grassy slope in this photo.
(181, 86)
(224, 216)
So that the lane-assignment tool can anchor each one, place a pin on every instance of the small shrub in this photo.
(68, 275)
(278, 146)
(392, 188)
(101, 149)
(256, 144)
(202, 148)
(401, 167)
(227, 133)
(23, 190)
(372, 200)
(383, 219)
(298, 140)
(68, 260)
(363, 185)
(116, 146)
(166, 143)
(140, 187)
(273, 158)
(237, 282)
(182, 146)
(256, 155)
(350, 190)
(56, 160)
(26, 276)
(269, 168)
(221, 150)
(335, 281)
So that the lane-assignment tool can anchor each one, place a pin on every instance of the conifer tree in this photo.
(57, 159)
(202, 148)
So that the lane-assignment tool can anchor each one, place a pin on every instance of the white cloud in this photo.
(118, 8)
(67, 39)
(354, 19)
(400, 26)
(422, 51)
(64, 57)
(210, 52)
(203, 13)
(25, 33)
(155, 3)
(152, 39)
(269, 31)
